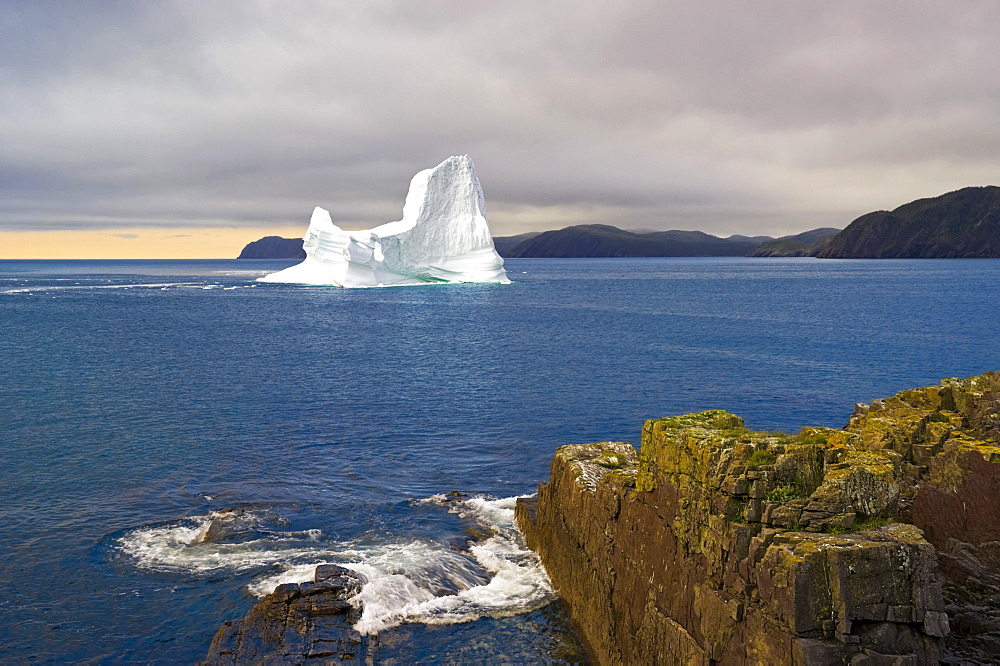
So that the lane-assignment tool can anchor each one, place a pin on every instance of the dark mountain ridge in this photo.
(963, 223)
(601, 240)
(504, 244)
(274, 247)
(805, 244)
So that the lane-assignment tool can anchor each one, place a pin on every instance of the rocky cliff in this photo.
(875, 544)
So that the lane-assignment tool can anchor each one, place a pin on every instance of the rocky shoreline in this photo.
(878, 543)
(875, 544)
(312, 623)
(417, 605)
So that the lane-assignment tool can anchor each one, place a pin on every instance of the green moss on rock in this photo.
(731, 544)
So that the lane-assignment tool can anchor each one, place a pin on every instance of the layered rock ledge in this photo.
(875, 544)
(297, 624)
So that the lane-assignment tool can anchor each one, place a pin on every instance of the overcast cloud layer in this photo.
(731, 117)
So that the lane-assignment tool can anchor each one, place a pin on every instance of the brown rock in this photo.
(667, 557)
(297, 624)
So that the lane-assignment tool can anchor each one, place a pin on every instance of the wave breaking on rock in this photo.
(358, 587)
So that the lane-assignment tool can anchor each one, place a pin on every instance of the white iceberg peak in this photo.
(443, 237)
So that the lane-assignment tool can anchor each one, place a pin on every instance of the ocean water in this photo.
(140, 399)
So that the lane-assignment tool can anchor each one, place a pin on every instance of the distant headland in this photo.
(960, 224)
(274, 247)
(963, 223)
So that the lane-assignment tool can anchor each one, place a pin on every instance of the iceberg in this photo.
(444, 237)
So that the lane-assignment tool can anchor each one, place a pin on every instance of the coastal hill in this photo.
(589, 240)
(274, 247)
(601, 240)
(963, 223)
(805, 244)
(504, 244)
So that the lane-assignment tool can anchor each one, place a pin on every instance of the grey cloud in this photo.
(730, 117)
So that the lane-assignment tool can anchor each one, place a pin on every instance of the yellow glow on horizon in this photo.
(137, 243)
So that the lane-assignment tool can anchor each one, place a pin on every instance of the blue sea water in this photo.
(137, 398)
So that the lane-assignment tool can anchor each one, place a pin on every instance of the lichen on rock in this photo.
(718, 543)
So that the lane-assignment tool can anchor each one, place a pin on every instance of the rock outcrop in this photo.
(875, 544)
(297, 623)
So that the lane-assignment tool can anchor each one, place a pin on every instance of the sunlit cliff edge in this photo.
(874, 544)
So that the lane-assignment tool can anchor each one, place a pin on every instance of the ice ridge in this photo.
(444, 237)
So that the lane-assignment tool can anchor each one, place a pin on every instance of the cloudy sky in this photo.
(173, 123)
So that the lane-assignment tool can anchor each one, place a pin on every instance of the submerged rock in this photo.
(877, 543)
(239, 524)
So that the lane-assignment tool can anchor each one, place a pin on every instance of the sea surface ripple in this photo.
(140, 399)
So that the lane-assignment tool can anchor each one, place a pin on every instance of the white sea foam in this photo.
(84, 287)
(181, 547)
(440, 498)
(241, 273)
(294, 573)
(161, 286)
(407, 580)
(514, 580)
